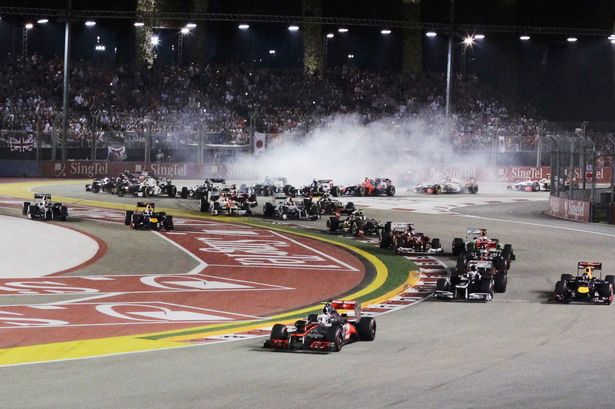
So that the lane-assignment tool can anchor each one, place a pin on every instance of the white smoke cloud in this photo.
(347, 151)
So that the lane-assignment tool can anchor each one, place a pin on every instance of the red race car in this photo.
(327, 331)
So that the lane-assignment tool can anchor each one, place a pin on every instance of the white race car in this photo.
(531, 185)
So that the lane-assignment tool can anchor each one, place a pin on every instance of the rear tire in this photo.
(184, 193)
(204, 205)
(172, 191)
(501, 281)
(24, 210)
(435, 244)
(367, 328)
(268, 210)
(390, 191)
(128, 217)
(610, 279)
(441, 284)
(566, 277)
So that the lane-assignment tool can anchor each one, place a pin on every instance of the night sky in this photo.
(563, 81)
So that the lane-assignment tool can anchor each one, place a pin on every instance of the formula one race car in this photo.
(270, 186)
(471, 285)
(106, 184)
(448, 185)
(531, 185)
(585, 287)
(151, 186)
(199, 191)
(371, 187)
(356, 224)
(328, 205)
(144, 217)
(327, 331)
(228, 202)
(44, 209)
(285, 207)
(321, 187)
(403, 239)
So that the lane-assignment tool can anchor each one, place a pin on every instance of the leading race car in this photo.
(448, 185)
(199, 191)
(321, 187)
(271, 186)
(145, 217)
(585, 287)
(403, 239)
(531, 185)
(328, 331)
(228, 202)
(43, 208)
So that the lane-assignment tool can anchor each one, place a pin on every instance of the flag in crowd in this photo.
(22, 143)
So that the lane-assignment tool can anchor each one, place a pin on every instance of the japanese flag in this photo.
(260, 143)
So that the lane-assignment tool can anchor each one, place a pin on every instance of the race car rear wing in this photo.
(145, 204)
(42, 196)
(476, 230)
(348, 306)
(596, 265)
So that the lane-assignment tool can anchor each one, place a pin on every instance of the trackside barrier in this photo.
(20, 168)
(563, 208)
(84, 168)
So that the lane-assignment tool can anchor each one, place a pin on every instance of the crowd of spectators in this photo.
(121, 103)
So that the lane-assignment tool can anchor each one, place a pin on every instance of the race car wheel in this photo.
(386, 242)
(279, 331)
(610, 279)
(536, 187)
(95, 188)
(333, 223)
(334, 335)
(184, 193)
(486, 286)
(560, 289)
(435, 244)
(204, 205)
(605, 291)
(441, 284)
(458, 246)
(360, 191)
(128, 217)
(172, 191)
(501, 280)
(63, 213)
(336, 191)
(473, 189)
(168, 223)
(268, 210)
(437, 189)
(24, 210)
(390, 191)
(32, 210)
(507, 254)
(461, 264)
(566, 277)
(367, 328)
(48, 215)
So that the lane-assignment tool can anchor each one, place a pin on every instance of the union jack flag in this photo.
(22, 143)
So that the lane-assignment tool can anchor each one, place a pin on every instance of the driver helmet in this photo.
(588, 274)
(328, 309)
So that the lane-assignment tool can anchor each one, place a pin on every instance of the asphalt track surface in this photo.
(518, 351)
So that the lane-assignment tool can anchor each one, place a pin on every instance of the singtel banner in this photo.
(569, 209)
(92, 169)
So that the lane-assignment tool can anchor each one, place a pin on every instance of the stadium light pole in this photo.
(449, 61)
(66, 80)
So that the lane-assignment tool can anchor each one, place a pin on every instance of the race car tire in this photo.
(32, 211)
(350, 207)
(128, 217)
(441, 284)
(390, 191)
(148, 192)
(95, 188)
(486, 286)
(605, 291)
(360, 191)
(458, 246)
(566, 277)
(63, 213)
(386, 241)
(367, 328)
(461, 264)
(437, 189)
(499, 263)
(312, 318)
(135, 221)
(279, 331)
(610, 279)
(24, 210)
(289, 190)
(501, 281)
(473, 189)
(172, 191)
(336, 191)
(536, 187)
(560, 288)
(333, 223)
(48, 215)
(268, 210)
(184, 193)
(204, 205)
(507, 254)
(266, 190)
(168, 223)
(435, 244)
(334, 335)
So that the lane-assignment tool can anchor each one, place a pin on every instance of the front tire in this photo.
(334, 335)
(279, 331)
